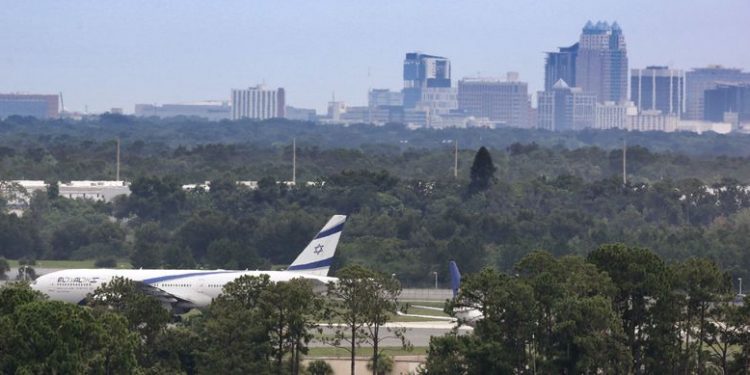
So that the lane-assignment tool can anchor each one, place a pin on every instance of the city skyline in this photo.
(117, 55)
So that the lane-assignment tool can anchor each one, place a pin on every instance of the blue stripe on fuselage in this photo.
(159, 279)
(312, 265)
(330, 231)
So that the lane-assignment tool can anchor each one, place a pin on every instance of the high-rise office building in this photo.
(566, 108)
(384, 97)
(423, 71)
(601, 63)
(258, 103)
(560, 65)
(697, 81)
(658, 88)
(505, 102)
(728, 102)
(39, 106)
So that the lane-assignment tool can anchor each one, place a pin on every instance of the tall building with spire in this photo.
(601, 64)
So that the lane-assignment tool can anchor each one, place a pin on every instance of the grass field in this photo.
(67, 264)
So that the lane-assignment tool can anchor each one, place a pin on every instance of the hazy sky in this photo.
(104, 54)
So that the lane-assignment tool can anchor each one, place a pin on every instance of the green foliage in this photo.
(264, 322)
(56, 337)
(108, 262)
(143, 314)
(482, 171)
(319, 367)
(363, 301)
(4, 267)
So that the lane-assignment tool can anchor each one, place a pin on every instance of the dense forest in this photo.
(408, 215)
(554, 242)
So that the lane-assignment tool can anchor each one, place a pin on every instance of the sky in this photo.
(103, 54)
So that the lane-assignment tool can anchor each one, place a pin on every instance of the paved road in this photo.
(418, 333)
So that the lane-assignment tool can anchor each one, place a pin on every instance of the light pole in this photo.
(455, 155)
(436, 280)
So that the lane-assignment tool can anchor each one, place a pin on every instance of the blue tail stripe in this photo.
(312, 265)
(328, 232)
(159, 279)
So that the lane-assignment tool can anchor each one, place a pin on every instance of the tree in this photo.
(319, 367)
(53, 190)
(704, 285)
(282, 314)
(383, 303)
(4, 267)
(52, 337)
(361, 299)
(504, 333)
(149, 246)
(144, 314)
(639, 276)
(446, 355)
(291, 309)
(14, 295)
(482, 171)
(26, 273)
(154, 198)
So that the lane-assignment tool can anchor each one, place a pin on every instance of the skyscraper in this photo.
(421, 72)
(697, 81)
(566, 108)
(506, 102)
(601, 64)
(257, 103)
(560, 65)
(658, 88)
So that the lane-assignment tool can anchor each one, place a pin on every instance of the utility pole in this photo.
(294, 161)
(455, 159)
(117, 167)
(624, 162)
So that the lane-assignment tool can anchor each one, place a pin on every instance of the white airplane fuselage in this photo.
(199, 287)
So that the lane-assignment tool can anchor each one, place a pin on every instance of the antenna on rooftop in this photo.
(117, 167)
(62, 104)
(624, 161)
(455, 158)
(294, 161)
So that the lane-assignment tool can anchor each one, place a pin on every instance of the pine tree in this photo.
(482, 171)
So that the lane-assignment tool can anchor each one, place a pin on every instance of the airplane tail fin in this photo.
(317, 256)
(455, 277)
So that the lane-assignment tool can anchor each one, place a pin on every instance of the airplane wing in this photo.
(177, 304)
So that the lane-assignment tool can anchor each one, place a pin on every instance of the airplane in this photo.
(466, 315)
(182, 290)
(462, 315)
